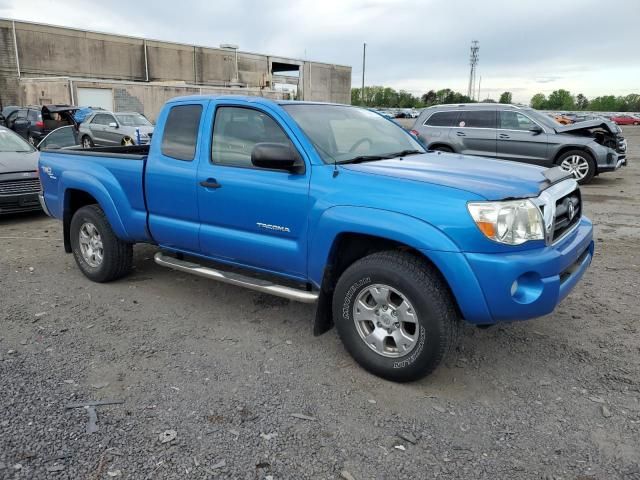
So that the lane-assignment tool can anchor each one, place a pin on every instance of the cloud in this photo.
(417, 45)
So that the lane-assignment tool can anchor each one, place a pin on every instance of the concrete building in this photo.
(42, 64)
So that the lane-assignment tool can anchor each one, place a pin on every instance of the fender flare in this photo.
(90, 184)
(387, 224)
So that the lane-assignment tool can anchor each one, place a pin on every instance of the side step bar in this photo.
(256, 284)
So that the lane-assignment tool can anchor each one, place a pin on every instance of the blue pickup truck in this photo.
(333, 205)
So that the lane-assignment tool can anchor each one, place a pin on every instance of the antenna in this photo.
(473, 61)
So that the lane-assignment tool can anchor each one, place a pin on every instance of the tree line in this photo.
(387, 97)
(565, 100)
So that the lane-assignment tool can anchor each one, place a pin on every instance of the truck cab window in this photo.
(181, 132)
(237, 130)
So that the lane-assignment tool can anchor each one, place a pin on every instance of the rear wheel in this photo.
(127, 142)
(395, 315)
(100, 255)
(579, 163)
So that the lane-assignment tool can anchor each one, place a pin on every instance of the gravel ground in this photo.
(251, 394)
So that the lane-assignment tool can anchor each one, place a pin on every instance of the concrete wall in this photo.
(48, 51)
(327, 83)
(146, 98)
(9, 91)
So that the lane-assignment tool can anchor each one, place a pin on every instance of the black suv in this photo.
(33, 123)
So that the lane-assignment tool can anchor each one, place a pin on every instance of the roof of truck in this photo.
(245, 98)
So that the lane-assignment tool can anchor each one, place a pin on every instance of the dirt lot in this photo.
(553, 398)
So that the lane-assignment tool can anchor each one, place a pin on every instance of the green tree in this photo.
(539, 101)
(561, 100)
(607, 103)
(429, 98)
(582, 102)
(506, 97)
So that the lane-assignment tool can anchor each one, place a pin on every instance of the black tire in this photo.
(420, 283)
(117, 255)
(87, 142)
(589, 159)
(442, 148)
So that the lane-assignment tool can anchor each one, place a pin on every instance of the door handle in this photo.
(461, 134)
(210, 183)
(504, 135)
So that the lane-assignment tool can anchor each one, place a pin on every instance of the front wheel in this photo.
(100, 255)
(579, 163)
(395, 315)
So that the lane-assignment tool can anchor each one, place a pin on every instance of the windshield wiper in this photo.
(371, 158)
(404, 153)
(363, 158)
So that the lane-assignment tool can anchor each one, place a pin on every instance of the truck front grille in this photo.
(18, 187)
(568, 213)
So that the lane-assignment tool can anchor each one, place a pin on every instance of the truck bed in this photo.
(114, 176)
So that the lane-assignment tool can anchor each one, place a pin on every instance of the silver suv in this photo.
(108, 129)
(525, 135)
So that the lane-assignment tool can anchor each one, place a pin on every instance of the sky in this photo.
(526, 46)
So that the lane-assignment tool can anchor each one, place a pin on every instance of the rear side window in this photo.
(181, 132)
(33, 116)
(477, 119)
(442, 119)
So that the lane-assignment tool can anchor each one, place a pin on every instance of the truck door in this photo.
(251, 216)
(170, 178)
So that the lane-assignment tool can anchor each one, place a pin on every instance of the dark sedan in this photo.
(19, 183)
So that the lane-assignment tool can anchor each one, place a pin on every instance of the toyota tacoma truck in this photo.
(333, 205)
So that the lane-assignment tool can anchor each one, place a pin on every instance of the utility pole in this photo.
(473, 61)
(479, 85)
(364, 61)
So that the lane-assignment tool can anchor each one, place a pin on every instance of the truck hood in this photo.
(486, 177)
(587, 126)
(11, 162)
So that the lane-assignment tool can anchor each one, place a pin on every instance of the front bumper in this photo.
(23, 202)
(614, 161)
(491, 288)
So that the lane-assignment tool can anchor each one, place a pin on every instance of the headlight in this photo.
(512, 222)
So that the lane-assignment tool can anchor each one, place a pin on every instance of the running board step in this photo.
(256, 284)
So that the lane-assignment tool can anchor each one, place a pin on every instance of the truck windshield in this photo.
(10, 142)
(344, 134)
(133, 120)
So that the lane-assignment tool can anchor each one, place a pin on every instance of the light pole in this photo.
(233, 47)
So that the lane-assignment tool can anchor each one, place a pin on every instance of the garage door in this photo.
(95, 97)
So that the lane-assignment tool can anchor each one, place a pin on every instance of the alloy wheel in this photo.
(577, 165)
(386, 321)
(91, 246)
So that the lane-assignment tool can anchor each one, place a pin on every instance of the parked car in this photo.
(330, 204)
(625, 120)
(109, 129)
(562, 118)
(34, 123)
(522, 134)
(6, 111)
(19, 182)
